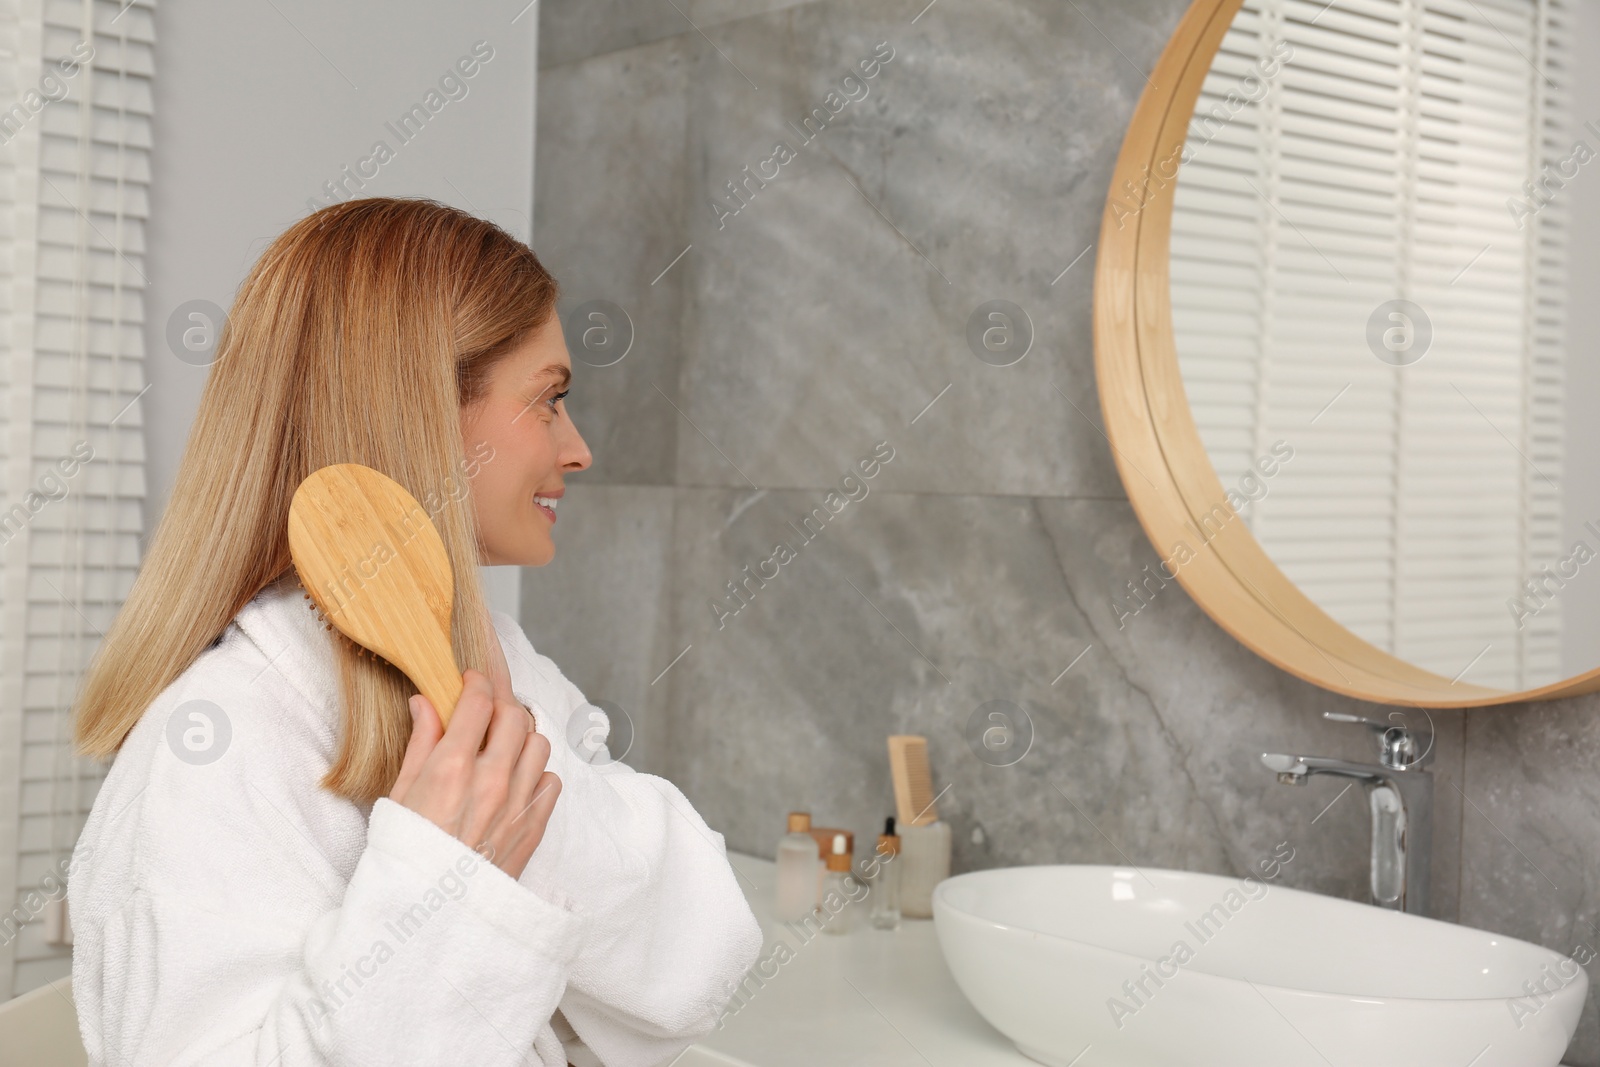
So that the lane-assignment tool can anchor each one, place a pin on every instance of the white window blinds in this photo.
(1373, 165)
(74, 174)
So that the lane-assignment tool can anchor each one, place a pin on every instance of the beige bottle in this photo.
(823, 835)
(837, 886)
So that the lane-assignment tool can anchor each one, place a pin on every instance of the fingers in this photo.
(473, 712)
(527, 828)
(425, 733)
(543, 801)
(531, 762)
(509, 729)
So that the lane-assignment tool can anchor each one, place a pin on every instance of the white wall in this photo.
(1580, 601)
(257, 105)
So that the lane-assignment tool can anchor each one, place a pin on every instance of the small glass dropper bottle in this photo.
(838, 883)
(885, 881)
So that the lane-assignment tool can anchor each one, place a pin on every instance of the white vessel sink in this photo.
(1274, 976)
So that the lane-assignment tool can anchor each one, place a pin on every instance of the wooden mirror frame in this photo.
(1157, 447)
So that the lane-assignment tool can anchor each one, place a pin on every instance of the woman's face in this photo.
(523, 419)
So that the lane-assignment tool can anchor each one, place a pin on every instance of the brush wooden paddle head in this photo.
(374, 566)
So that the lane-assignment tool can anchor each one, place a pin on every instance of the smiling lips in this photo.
(547, 504)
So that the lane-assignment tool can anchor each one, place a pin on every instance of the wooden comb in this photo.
(913, 783)
(373, 564)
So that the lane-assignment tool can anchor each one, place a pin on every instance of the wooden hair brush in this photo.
(373, 564)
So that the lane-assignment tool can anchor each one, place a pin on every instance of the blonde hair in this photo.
(357, 338)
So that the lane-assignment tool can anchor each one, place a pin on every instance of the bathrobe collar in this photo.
(281, 621)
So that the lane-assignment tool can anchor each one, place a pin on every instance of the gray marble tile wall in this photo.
(776, 348)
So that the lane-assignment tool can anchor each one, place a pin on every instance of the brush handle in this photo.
(436, 675)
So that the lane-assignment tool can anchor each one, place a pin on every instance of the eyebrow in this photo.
(562, 375)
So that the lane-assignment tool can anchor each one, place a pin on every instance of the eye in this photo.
(557, 398)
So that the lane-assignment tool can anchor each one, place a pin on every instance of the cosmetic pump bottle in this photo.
(837, 884)
(884, 882)
(798, 870)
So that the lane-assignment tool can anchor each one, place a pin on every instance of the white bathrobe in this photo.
(228, 910)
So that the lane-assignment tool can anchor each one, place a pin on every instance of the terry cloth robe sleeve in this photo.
(671, 934)
(229, 912)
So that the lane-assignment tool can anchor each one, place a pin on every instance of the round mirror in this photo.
(1343, 308)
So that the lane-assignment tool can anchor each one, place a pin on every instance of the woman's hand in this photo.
(497, 800)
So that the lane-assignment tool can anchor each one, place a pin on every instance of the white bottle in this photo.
(798, 870)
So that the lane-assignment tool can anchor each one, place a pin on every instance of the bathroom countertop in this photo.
(879, 997)
(883, 997)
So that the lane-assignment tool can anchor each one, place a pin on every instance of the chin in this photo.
(526, 553)
(539, 555)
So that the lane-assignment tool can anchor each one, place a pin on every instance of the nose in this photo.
(572, 451)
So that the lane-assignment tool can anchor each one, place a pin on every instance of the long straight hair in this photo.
(358, 337)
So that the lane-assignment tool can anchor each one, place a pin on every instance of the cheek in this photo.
(535, 453)
(524, 461)
(495, 492)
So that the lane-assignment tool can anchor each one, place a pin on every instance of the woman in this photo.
(290, 862)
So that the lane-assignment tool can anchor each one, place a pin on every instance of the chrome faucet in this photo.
(1400, 797)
